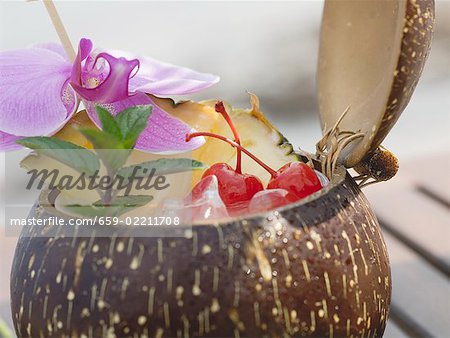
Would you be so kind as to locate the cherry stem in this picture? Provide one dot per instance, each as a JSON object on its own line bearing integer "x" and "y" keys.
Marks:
{"x": 234, "y": 144}
{"x": 220, "y": 108}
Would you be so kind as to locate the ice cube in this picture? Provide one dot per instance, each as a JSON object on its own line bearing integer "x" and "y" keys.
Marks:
{"x": 204, "y": 201}
{"x": 171, "y": 208}
{"x": 322, "y": 178}
{"x": 269, "y": 199}
{"x": 207, "y": 187}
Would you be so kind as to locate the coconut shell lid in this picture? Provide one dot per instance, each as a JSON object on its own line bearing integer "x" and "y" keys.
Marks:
{"x": 371, "y": 56}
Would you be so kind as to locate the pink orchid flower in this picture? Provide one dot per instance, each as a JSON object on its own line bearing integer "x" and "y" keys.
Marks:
{"x": 40, "y": 91}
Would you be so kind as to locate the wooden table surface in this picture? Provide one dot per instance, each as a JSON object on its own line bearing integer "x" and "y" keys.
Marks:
{"x": 414, "y": 212}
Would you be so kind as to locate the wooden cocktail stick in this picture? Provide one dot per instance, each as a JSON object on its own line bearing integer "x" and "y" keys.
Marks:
{"x": 59, "y": 27}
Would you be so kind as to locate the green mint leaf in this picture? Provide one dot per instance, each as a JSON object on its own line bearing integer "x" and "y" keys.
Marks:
{"x": 132, "y": 121}
{"x": 132, "y": 201}
{"x": 162, "y": 167}
{"x": 124, "y": 204}
{"x": 89, "y": 210}
{"x": 101, "y": 139}
{"x": 105, "y": 145}
{"x": 109, "y": 124}
{"x": 118, "y": 206}
{"x": 65, "y": 152}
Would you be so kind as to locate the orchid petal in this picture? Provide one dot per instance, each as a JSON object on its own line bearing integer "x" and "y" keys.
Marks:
{"x": 95, "y": 71}
{"x": 84, "y": 49}
{"x": 164, "y": 134}
{"x": 115, "y": 86}
{"x": 160, "y": 78}
{"x": 54, "y": 47}
{"x": 8, "y": 142}
{"x": 34, "y": 95}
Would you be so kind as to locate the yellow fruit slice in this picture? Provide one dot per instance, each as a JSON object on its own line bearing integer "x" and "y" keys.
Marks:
{"x": 257, "y": 135}
{"x": 71, "y": 133}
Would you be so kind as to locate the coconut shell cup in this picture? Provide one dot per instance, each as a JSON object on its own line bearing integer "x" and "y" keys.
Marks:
{"x": 371, "y": 56}
{"x": 318, "y": 267}
{"x": 315, "y": 268}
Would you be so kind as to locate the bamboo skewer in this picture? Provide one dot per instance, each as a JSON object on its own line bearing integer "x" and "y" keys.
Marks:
{"x": 60, "y": 30}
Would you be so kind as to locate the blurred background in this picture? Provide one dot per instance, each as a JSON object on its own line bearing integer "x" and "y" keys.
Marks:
{"x": 270, "y": 48}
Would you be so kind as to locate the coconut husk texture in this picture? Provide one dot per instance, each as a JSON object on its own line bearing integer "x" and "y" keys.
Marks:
{"x": 317, "y": 268}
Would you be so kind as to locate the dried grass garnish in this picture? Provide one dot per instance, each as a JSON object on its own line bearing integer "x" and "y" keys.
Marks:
{"x": 330, "y": 147}
{"x": 380, "y": 165}
{"x": 308, "y": 156}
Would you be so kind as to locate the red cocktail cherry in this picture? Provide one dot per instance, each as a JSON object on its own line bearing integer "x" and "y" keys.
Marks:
{"x": 237, "y": 189}
{"x": 296, "y": 177}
